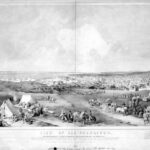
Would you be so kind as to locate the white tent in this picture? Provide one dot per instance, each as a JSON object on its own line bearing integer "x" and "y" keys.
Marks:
{"x": 8, "y": 109}
{"x": 27, "y": 99}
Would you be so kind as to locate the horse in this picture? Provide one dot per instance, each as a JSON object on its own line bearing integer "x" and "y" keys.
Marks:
{"x": 76, "y": 116}
{"x": 80, "y": 116}
{"x": 84, "y": 117}
{"x": 121, "y": 110}
{"x": 63, "y": 116}
{"x": 70, "y": 116}
{"x": 92, "y": 118}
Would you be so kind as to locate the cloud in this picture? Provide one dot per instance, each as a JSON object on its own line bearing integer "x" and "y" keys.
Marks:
{"x": 89, "y": 38}
{"x": 44, "y": 38}
{"x": 66, "y": 38}
{"x": 91, "y": 48}
{"x": 34, "y": 38}
{"x": 124, "y": 29}
{"x": 89, "y": 45}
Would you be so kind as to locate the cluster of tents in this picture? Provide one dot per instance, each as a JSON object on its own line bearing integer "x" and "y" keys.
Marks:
{"x": 8, "y": 110}
{"x": 25, "y": 110}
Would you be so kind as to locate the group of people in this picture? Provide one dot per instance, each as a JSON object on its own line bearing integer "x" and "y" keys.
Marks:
{"x": 94, "y": 102}
{"x": 146, "y": 116}
{"x": 51, "y": 99}
{"x": 3, "y": 123}
{"x": 78, "y": 116}
{"x": 27, "y": 111}
{"x": 34, "y": 108}
{"x": 133, "y": 107}
{"x": 25, "y": 116}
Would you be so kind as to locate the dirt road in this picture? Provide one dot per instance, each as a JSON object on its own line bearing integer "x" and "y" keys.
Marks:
{"x": 126, "y": 119}
{"x": 75, "y": 102}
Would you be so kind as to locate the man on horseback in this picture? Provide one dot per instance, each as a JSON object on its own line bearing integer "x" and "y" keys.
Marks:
{"x": 84, "y": 116}
{"x": 63, "y": 116}
{"x": 70, "y": 116}
{"x": 91, "y": 117}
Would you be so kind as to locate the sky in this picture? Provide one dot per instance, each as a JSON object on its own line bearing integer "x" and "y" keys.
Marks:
{"x": 97, "y": 38}
{"x": 113, "y": 37}
{"x": 33, "y": 38}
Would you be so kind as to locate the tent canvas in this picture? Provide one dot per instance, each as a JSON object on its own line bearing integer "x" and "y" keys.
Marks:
{"x": 8, "y": 109}
{"x": 27, "y": 99}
